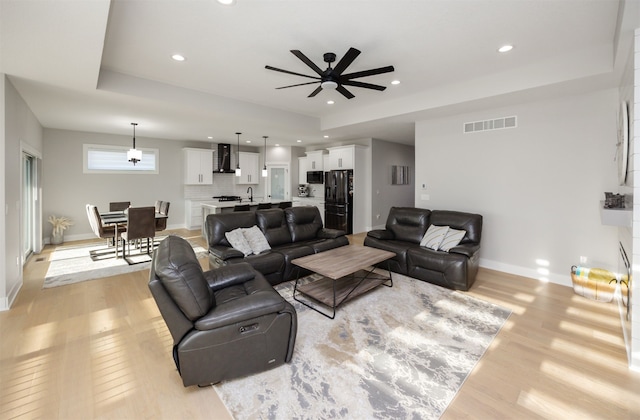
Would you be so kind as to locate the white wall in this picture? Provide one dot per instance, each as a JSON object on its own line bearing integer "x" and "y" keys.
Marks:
{"x": 538, "y": 186}
{"x": 20, "y": 127}
{"x": 385, "y": 195}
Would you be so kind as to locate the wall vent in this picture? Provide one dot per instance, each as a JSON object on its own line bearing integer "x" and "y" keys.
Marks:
{"x": 495, "y": 124}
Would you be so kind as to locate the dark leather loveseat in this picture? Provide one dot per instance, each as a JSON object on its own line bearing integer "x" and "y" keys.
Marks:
{"x": 406, "y": 227}
{"x": 225, "y": 323}
{"x": 292, "y": 233}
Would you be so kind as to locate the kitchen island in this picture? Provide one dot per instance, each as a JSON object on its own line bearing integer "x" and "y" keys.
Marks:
{"x": 217, "y": 207}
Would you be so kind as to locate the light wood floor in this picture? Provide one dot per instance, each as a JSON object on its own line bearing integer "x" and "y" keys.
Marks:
{"x": 100, "y": 349}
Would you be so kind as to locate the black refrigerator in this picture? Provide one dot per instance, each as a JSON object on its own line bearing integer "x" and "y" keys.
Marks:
{"x": 338, "y": 198}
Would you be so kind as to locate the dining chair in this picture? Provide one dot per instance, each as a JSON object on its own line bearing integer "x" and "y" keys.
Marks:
{"x": 119, "y": 205}
{"x": 141, "y": 224}
{"x": 285, "y": 204}
{"x": 262, "y": 206}
{"x": 158, "y": 205}
{"x": 161, "y": 223}
{"x": 241, "y": 207}
{"x": 99, "y": 229}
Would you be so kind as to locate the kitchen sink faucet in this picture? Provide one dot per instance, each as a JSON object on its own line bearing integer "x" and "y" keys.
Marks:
{"x": 251, "y": 195}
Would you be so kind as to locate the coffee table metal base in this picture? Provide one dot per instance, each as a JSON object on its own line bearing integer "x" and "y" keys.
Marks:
{"x": 333, "y": 293}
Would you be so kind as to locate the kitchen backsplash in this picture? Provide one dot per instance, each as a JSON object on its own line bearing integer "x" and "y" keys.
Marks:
{"x": 223, "y": 184}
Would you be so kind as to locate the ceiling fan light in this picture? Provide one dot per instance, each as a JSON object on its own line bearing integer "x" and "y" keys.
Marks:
{"x": 329, "y": 84}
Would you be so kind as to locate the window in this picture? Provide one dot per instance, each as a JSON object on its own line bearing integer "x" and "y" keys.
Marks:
{"x": 102, "y": 159}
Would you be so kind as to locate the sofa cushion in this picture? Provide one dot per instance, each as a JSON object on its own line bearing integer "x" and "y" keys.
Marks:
{"x": 218, "y": 224}
{"x": 274, "y": 226}
{"x": 408, "y": 223}
{"x": 238, "y": 241}
{"x": 256, "y": 239}
{"x": 469, "y": 222}
{"x": 452, "y": 239}
{"x": 434, "y": 236}
{"x": 178, "y": 269}
{"x": 304, "y": 222}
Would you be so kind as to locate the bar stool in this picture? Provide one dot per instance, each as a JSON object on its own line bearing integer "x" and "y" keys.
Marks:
{"x": 262, "y": 206}
{"x": 241, "y": 207}
{"x": 285, "y": 204}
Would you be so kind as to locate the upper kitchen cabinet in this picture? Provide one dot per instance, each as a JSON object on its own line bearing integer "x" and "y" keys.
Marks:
{"x": 314, "y": 161}
{"x": 249, "y": 168}
{"x": 198, "y": 166}
{"x": 342, "y": 157}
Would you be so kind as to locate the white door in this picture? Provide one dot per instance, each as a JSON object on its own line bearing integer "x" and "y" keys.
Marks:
{"x": 278, "y": 182}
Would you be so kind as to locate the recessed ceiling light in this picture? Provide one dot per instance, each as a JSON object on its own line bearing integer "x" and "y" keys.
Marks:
{"x": 178, "y": 57}
{"x": 505, "y": 48}
{"x": 298, "y": 141}
{"x": 209, "y": 137}
{"x": 227, "y": 2}
{"x": 395, "y": 82}
{"x": 277, "y": 145}
{"x": 326, "y": 137}
{"x": 330, "y": 102}
{"x": 248, "y": 141}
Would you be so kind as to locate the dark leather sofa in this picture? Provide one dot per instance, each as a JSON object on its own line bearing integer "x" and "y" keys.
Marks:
{"x": 292, "y": 233}
{"x": 405, "y": 228}
{"x": 225, "y": 323}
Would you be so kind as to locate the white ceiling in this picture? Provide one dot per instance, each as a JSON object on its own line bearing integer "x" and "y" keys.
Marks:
{"x": 99, "y": 65}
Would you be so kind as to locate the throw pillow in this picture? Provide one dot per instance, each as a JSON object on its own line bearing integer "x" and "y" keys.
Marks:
{"x": 434, "y": 236}
{"x": 256, "y": 239}
{"x": 452, "y": 239}
{"x": 237, "y": 240}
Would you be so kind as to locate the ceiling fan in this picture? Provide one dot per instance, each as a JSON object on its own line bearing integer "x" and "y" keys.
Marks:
{"x": 332, "y": 78}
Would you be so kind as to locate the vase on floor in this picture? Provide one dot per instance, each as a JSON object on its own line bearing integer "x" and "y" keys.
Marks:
{"x": 57, "y": 238}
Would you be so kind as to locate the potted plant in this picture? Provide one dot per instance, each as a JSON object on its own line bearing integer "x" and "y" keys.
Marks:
{"x": 59, "y": 225}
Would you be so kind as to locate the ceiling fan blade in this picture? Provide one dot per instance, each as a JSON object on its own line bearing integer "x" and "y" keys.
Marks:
{"x": 363, "y": 85}
{"x": 299, "y": 84}
{"x": 367, "y": 73}
{"x": 346, "y": 60}
{"x": 315, "y": 92}
{"x": 308, "y": 62}
{"x": 345, "y": 92}
{"x": 290, "y": 72}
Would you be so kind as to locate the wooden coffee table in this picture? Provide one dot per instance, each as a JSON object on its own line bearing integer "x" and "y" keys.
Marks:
{"x": 344, "y": 272}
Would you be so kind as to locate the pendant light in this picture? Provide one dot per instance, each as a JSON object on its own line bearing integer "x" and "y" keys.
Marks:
{"x": 264, "y": 170}
{"x": 238, "y": 171}
{"x": 134, "y": 155}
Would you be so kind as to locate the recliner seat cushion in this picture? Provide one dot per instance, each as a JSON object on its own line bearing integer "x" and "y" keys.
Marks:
{"x": 179, "y": 271}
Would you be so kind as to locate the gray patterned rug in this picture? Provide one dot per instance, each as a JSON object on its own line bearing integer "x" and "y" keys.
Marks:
{"x": 400, "y": 352}
{"x": 73, "y": 263}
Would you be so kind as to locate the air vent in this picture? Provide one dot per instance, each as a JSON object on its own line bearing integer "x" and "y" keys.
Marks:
{"x": 495, "y": 124}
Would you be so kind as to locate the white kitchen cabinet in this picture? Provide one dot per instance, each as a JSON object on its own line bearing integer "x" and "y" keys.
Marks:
{"x": 193, "y": 214}
{"x": 249, "y": 168}
{"x": 198, "y": 166}
{"x": 341, "y": 157}
{"x": 314, "y": 161}
{"x": 302, "y": 170}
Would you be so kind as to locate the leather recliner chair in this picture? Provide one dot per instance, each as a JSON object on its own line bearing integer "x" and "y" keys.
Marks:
{"x": 225, "y": 323}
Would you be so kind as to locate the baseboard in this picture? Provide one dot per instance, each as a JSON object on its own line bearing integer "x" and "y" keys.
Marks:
{"x": 561, "y": 279}
{"x": 6, "y": 302}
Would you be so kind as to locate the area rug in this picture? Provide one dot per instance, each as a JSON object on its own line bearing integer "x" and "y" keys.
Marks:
{"x": 70, "y": 264}
{"x": 400, "y": 352}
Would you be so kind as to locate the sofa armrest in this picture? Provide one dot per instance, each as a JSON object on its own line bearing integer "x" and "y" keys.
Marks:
{"x": 229, "y": 275}
{"x": 468, "y": 250}
{"x": 381, "y": 234}
{"x": 225, "y": 252}
{"x": 242, "y": 309}
{"x": 326, "y": 233}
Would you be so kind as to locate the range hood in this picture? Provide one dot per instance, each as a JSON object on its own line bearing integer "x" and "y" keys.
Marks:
{"x": 224, "y": 159}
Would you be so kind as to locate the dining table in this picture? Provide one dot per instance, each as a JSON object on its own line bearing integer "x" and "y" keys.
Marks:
{"x": 117, "y": 218}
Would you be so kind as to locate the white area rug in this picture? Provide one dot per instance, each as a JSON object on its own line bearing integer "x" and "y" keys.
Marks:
{"x": 393, "y": 353}
{"x": 74, "y": 263}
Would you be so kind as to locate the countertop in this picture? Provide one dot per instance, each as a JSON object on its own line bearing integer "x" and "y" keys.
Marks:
{"x": 214, "y": 204}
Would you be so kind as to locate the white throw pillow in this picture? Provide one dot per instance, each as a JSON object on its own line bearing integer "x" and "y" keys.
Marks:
{"x": 452, "y": 239}
{"x": 434, "y": 236}
{"x": 237, "y": 240}
{"x": 256, "y": 239}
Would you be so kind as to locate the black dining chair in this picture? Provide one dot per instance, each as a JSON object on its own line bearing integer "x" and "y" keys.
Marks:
{"x": 285, "y": 204}
{"x": 241, "y": 207}
{"x": 262, "y": 206}
{"x": 119, "y": 205}
{"x": 161, "y": 223}
{"x": 141, "y": 224}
